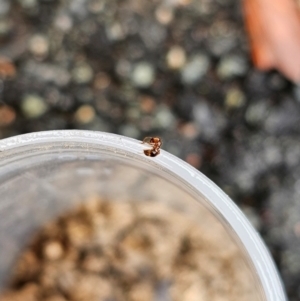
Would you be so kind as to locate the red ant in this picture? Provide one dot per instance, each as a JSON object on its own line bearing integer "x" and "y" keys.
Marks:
{"x": 156, "y": 143}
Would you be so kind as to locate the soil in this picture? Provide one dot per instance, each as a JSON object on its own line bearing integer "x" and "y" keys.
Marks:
{"x": 129, "y": 251}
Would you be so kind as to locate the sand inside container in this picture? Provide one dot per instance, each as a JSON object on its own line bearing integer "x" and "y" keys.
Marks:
{"x": 133, "y": 251}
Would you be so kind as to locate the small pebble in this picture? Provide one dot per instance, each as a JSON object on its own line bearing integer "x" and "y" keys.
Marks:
{"x": 85, "y": 114}
{"x": 7, "y": 68}
{"x": 164, "y": 118}
{"x": 33, "y": 106}
{"x": 256, "y": 112}
{"x": 143, "y": 75}
{"x": 195, "y": 69}
{"x": 82, "y": 73}
{"x": 164, "y": 15}
{"x": 115, "y": 32}
{"x": 147, "y": 104}
{"x": 176, "y": 57}
{"x": 63, "y": 22}
{"x": 235, "y": 98}
{"x": 53, "y": 250}
{"x": 189, "y": 130}
{"x": 102, "y": 81}
{"x": 123, "y": 68}
{"x": 231, "y": 66}
{"x": 7, "y": 115}
{"x": 39, "y": 45}
{"x": 78, "y": 8}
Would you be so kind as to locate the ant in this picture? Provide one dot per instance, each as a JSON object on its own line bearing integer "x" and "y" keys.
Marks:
{"x": 156, "y": 143}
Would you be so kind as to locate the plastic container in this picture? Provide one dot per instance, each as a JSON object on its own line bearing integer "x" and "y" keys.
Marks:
{"x": 45, "y": 173}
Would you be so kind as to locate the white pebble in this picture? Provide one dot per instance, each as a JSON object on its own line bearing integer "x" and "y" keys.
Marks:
{"x": 39, "y": 45}
{"x": 195, "y": 69}
{"x": 143, "y": 75}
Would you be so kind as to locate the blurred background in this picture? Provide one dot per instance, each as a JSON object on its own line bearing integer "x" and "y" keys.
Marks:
{"x": 177, "y": 69}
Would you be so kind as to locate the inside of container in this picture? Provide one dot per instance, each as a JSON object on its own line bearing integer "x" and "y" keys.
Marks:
{"x": 38, "y": 185}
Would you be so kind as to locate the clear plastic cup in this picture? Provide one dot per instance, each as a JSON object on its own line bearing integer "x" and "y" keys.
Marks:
{"x": 42, "y": 174}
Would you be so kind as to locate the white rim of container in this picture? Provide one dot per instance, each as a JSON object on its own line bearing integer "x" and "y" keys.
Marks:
{"x": 252, "y": 242}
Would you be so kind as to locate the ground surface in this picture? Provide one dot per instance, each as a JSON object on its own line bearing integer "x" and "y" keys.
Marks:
{"x": 179, "y": 69}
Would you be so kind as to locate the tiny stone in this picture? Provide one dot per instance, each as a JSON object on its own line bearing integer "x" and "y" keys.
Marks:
{"x": 33, "y": 106}
{"x": 123, "y": 68}
{"x": 7, "y": 115}
{"x": 115, "y": 32}
{"x": 143, "y": 75}
{"x": 256, "y": 112}
{"x": 7, "y": 68}
{"x": 176, "y": 57}
{"x": 85, "y": 114}
{"x": 164, "y": 118}
{"x": 147, "y": 104}
{"x": 78, "y": 8}
{"x": 153, "y": 34}
{"x": 189, "y": 130}
{"x": 102, "y": 81}
{"x": 82, "y": 74}
{"x": 195, "y": 69}
{"x": 231, "y": 66}
{"x": 39, "y": 45}
{"x": 164, "y": 15}
{"x": 53, "y": 250}
{"x": 64, "y": 23}
{"x": 235, "y": 98}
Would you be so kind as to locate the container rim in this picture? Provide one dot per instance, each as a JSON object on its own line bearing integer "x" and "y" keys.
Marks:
{"x": 257, "y": 251}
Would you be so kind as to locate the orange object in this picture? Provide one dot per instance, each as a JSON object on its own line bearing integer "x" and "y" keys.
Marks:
{"x": 7, "y": 68}
{"x": 274, "y": 30}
